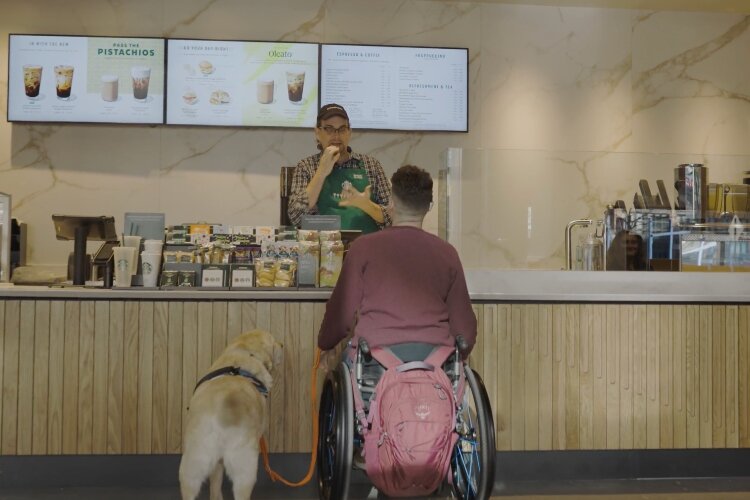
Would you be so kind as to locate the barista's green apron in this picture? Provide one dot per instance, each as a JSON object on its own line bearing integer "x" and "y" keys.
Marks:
{"x": 330, "y": 195}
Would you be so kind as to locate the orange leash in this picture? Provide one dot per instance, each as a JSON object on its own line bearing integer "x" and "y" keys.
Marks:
{"x": 264, "y": 445}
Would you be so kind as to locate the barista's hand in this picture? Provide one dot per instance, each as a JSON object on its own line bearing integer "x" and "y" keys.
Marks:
{"x": 328, "y": 159}
{"x": 350, "y": 197}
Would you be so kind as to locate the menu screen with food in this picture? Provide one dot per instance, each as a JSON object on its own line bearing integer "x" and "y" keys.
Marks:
{"x": 85, "y": 79}
{"x": 266, "y": 84}
{"x": 397, "y": 88}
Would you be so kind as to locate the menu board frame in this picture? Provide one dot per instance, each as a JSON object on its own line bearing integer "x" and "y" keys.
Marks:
{"x": 169, "y": 76}
{"x": 465, "y": 49}
{"x": 77, "y": 121}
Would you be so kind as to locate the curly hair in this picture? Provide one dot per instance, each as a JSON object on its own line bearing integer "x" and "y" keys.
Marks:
{"x": 413, "y": 187}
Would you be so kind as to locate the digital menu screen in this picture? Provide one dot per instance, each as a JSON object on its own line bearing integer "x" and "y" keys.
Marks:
{"x": 85, "y": 79}
{"x": 264, "y": 84}
{"x": 397, "y": 88}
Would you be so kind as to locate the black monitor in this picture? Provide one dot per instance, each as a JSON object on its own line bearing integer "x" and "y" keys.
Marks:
{"x": 81, "y": 228}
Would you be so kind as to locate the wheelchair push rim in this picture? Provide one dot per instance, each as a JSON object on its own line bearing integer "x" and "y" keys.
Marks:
{"x": 335, "y": 442}
{"x": 473, "y": 459}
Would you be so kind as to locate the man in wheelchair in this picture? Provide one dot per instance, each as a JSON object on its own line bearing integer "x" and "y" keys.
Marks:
{"x": 402, "y": 299}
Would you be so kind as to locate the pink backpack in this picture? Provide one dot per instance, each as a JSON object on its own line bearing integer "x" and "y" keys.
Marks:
{"x": 409, "y": 439}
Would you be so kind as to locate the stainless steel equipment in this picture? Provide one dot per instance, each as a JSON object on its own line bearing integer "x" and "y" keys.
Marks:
{"x": 691, "y": 182}
{"x": 592, "y": 254}
{"x": 569, "y": 239}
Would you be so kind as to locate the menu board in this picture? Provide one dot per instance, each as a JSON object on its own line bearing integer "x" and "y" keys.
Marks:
{"x": 267, "y": 84}
{"x": 397, "y": 88}
{"x": 85, "y": 79}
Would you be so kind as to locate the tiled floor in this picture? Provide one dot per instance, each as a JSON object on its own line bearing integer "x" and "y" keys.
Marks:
{"x": 690, "y": 489}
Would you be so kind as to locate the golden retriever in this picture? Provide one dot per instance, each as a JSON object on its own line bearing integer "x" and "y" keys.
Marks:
{"x": 226, "y": 418}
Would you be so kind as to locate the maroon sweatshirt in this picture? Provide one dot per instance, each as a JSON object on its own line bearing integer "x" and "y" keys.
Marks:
{"x": 401, "y": 284}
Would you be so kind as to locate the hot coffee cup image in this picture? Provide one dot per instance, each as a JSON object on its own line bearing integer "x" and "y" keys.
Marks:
{"x": 265, "y": 91}
{"x": 295, "y": 84}
{"x": 110, "y": 87}
{"x": 141, "y": 76}
{"x": 64, "y": 81}
{"x": 32, "y": 78}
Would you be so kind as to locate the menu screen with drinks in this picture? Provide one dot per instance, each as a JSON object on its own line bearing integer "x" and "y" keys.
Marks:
{"x": 397, "y": 88}
{"x": 85, "y": 79}
{"x": 266, "y": 84}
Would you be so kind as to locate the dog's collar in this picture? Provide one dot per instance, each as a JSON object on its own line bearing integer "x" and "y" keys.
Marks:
{"x": 234, "y": 370}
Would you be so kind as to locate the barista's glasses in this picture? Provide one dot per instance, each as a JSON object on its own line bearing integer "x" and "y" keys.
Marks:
{"x": 335, "y": 131}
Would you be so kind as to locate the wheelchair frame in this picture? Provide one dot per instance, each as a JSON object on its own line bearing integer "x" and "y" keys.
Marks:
{"x": 472, "y": 464}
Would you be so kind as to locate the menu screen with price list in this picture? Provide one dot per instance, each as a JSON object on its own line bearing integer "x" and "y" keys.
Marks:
{"x": 397, "y": 88}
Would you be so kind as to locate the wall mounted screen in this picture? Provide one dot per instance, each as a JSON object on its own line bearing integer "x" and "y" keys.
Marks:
{"x": 397, "y": 88}
{"x": 85, "y": 79}
{"x": 266, "y": 84}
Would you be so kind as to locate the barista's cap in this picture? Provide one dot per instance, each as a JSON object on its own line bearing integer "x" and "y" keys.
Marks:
{"x": 331, "y": 110}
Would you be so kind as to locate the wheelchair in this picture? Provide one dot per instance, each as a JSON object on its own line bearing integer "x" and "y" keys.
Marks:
{"x": 472, "y": 464}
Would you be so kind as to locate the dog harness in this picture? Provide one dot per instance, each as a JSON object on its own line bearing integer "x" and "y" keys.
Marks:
{"x": 234, "y": 370}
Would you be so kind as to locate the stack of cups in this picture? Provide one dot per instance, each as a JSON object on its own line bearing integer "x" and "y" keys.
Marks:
{"x": 151, "y": 262}
{"x": 125, "y": 265}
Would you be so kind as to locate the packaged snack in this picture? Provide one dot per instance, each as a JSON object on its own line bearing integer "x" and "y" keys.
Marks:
{"x": 185, "y": 257}
{"x": 285, "y": 273}
{"x": 308, "y": 263}
{"x": 331, "y": 260}
{"x": 265, "y": 271}
{"x": 264, "y": 233}
{"x": 308, "y": 235}
{"x": 330, "y": 236}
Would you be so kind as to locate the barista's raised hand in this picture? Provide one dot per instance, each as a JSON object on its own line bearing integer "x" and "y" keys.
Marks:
{"x": 328, "y": 159}
{"x": 351, "y": 197}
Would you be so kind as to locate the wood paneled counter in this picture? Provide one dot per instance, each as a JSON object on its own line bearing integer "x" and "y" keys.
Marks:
{"x": 572, "y": 360}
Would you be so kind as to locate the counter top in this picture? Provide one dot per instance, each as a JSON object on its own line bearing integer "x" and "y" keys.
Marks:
{"x": 484, "y": 286}
{"x": 609, "y": 286}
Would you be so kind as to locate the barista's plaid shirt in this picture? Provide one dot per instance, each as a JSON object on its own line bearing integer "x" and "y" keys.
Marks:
{"x": 303, "y": 174}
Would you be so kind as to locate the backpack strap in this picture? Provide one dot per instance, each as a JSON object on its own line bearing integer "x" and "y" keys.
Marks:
{"x": 386, "y": 357}
{"x": 439, "y": 355}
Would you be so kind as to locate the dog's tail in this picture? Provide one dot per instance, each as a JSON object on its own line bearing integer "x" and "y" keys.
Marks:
{"x": 264, "y": 446}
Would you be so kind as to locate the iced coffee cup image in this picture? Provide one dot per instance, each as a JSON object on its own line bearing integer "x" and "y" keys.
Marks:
{"x": 32, "y": 78}
{"x": 265, "y": 91}
{"x": 64, "y": 81}
{"x": 295, "y": 84}
{"x": 110, "y": 87}
{"x": 141, "y": 76}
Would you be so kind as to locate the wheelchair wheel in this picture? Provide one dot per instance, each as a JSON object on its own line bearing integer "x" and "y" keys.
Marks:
{"x": 473, "y": 459}
{"x": 335, "y": 435}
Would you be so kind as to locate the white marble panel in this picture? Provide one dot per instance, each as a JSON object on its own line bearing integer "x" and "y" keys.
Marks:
{"x": 83, "y": 17}
{"x": 691, "y": 85}
{"x": 79, "y": 170}
{"x": 292, "y": 20}
{"x": 555, "y": 78}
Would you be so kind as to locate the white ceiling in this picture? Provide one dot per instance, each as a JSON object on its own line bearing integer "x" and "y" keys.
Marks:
{"x": 685, "y": 5}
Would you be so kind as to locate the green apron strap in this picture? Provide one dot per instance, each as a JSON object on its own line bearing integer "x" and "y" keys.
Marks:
{"x": 330, "y": 195}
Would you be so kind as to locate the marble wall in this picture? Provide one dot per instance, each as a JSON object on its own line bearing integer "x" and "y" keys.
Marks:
{"x": 568, "y": 108}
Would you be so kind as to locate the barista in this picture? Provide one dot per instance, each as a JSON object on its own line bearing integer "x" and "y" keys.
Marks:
{"x": 626, "y": 253}
{"x": 337, "y": 181}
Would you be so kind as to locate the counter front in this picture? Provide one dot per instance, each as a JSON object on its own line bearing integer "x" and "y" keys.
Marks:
{"x": 571, "y": 360}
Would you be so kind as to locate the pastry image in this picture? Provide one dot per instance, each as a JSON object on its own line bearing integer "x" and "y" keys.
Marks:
{"x": 190, "y": 97}
{"x": 206, "y": 67}
{"x": 219, "y": 97}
